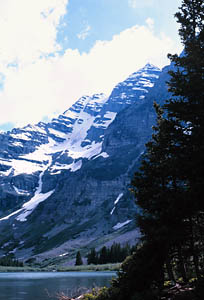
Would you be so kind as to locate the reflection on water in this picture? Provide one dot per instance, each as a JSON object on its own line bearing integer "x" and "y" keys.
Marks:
{"x": 45, "y": 285}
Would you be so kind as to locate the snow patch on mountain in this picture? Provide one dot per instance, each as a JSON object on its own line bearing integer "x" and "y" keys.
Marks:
{"x": 29, "y": 206}
{"x": 116, "y": 201}
{"x": 112, "y": 211}
{"x": 22, "y": 136}
{"x": 104, "y": 121}
{"x": 57, "y": 133}
{"x": 17, "y": 144}
{"x": 120, "y": 225}
{"x": 82, "y": 117}
{"x": 35, "y": 128}
{"x": 19, "y": 166}
{"x": 118, "y": 198}
{"x": 85, "y": 152}
{"x": 10, "y": 215}
{"x": 102, "y": 154}
{"x": 73, "y": 167}
{"x": 20, "y": 191}
{"x": 42, "y": 152}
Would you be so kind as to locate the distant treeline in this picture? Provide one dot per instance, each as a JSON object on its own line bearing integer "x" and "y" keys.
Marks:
{"x": 116, "y": 253}
{"x": 8, "y": 261}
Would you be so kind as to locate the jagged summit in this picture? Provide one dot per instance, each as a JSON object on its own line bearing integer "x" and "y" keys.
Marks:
{"x": 149, "y": 66}
{"x": 95, "y": 102}
{"x": 147, "y": 73}
{"x": 137, "y": 85}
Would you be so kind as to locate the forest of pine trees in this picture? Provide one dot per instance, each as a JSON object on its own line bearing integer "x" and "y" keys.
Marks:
{"x": 116, "y": 253}
{"x": 9, "y": 261}
{"x": 169, "y": 186}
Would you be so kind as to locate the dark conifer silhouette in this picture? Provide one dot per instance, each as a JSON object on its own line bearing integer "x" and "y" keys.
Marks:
{"x": 79, "y": 261}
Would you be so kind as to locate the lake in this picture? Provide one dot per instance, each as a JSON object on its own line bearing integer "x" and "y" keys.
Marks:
{"x": 45, "y": 285}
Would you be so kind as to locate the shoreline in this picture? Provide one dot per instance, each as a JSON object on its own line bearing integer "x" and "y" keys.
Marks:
{"x": 82, "y": 268}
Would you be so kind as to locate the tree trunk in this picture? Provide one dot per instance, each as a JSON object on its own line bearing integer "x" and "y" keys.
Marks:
{"x": 193, "y": 251}
{"x": 181, "y": 265}
{"x": 169, "y": 269}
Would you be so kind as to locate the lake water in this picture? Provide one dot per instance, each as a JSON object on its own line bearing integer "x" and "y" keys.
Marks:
{"x": 46, "y": 285}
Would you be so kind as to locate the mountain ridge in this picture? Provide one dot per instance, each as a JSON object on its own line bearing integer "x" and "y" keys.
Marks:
{"x": 76, "y": 185}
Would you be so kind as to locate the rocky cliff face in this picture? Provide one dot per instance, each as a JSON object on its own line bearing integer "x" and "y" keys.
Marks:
{"x": 64, "y": 185}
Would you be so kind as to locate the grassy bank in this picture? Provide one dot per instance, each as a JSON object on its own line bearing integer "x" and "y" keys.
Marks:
{"x": 82, "y": 268}
{"x": 20, "y": 269}
{"x": 106, "y": 267}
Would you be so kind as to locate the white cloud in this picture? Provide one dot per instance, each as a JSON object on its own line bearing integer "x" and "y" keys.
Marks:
{"x": 28, "y": 29}
{"x": 84, "y": 33}
{"x": 47, "y": 85}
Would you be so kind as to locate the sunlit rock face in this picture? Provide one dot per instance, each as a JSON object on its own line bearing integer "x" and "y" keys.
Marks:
{"x": 65, "y": 184}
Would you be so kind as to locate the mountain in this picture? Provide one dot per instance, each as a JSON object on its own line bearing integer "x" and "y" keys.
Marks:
{"x": 64, "y": 185}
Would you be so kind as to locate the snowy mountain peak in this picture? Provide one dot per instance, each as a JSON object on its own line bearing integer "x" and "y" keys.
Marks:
{"x": 150, "y": 66}
{"x": 148, "y": 71}
{"x": 136, "y": 86}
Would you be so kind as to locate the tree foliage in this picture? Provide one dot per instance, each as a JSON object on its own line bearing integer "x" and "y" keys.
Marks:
{"x": 114, "y": 254}
{"x": 169, "y": 185}
{"x": 9, "y": 261}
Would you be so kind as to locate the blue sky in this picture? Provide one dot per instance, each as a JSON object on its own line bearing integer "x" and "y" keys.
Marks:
{"x": 101, "y": 19}
{"x": 54, "y": 51}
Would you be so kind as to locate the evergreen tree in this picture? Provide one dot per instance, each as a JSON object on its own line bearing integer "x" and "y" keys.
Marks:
{"x": 103, "y": 256}
{"x": 158, "y": 194}
{"x": 168, "y": 187}
{"x": 140, "y": 273}
{"x": 78, "y": 261}
{"x": 92, "y": 257}
{"x": 187, "y": 108}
